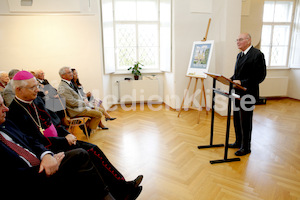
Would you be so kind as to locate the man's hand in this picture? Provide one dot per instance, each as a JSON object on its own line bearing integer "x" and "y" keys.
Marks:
{"x": 59, "y": 157}
{"x": 237, "y": 82}
{"x": 50, "y": 164}
{"x": 86, "y": 101}
{"x": 71, "y": 139}
{"x": 89, "y": 94}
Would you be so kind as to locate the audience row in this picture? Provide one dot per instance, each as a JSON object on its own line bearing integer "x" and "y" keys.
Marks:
{"x": 70, "y": 97}
{"x": 53, "y": 157}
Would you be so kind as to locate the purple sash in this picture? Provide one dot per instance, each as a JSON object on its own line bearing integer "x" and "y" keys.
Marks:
{"x": 50, "y": 131}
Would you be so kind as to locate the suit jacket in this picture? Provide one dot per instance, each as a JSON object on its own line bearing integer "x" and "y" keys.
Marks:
{"x": 48, "y": 87}
{"x": 8, "y": 94}
{"x": 11, "y": 163}
{"x": 49, "y": 95}
{"x": 251, "y": 71}
{"x": 74, "y": 103}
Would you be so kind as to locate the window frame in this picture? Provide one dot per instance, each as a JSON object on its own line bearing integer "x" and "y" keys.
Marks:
{"x": 112, "y": 68}
{"x": 137, "y": 23}
{"x": 273, "y": 24}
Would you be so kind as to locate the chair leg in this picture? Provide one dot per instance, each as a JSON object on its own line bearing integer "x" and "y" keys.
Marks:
{"x": 70, "y": 128}
{"x": 87, "y": 134}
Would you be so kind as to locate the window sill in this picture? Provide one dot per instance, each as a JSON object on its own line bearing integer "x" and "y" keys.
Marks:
{"x": 150, "y": 71}
{"x": 274, "y": 68}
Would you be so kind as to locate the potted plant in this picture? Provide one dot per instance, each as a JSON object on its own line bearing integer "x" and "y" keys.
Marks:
{"x": 135, "y": 70}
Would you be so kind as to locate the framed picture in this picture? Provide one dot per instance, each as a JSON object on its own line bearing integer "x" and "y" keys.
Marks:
{"x": 200, "y": 58}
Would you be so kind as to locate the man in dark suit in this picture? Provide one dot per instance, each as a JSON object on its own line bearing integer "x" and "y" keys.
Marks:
{"x": 29, "y": 170}
{"x": 49, "y": 94}
{"x": 250, "y": 71}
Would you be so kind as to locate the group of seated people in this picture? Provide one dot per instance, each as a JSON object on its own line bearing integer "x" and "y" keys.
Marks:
{"x": 39, "y": 154}
{"x": 70, "y": 98}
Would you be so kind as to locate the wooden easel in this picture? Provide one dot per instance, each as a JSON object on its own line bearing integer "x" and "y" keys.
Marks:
{"x": 202, "y": 93}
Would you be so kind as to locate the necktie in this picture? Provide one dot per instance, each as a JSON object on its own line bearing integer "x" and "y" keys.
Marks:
{"x": 34, "y": 161}
{"x": 73, "y": 86}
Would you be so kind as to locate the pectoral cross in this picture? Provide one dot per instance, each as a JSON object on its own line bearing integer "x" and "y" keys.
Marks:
{"x": 42, "y": 130}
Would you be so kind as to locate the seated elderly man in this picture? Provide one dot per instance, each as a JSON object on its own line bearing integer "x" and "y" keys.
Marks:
{"x": 49, "y": 95}
{"x": 3, "y": 80}
{"x": 27, "y": 165}
{"x": 9, "y": 93}
{"x": 29, "y": 113}
{"x": 76, "y": 106}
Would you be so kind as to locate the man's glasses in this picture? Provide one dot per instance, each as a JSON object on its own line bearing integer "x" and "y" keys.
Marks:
{"x": 241, "y": 39}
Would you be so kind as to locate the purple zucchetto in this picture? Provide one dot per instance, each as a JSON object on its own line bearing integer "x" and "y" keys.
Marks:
{"x": 23, "y": 75}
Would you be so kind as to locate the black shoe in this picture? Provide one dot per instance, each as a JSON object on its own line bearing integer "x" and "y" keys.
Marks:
{"x": 234, "y": 145}
{"x": 134, "y": 194}
{"x": 242, "y": 152}
{"x": 88, "y": 133}
{"x": 136, "y": 182}
{"x": 109, "y": 197}
{"x": 110, "y": 119}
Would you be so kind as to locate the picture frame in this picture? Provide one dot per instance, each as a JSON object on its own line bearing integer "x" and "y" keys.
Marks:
{"x": 200, "y": 58}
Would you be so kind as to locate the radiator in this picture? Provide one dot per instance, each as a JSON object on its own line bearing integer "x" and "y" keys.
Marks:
{"x": 138, "y": 91}
{"x": 274, "y": 87}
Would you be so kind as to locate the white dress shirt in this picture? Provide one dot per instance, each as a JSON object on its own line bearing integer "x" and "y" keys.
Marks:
{"x": 246, "y": 51}
{"x": 28, "y": 163}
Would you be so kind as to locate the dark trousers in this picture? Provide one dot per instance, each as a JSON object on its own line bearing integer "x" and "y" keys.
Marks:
{"x": 76, "y": 178}
{"x": 111, "y": 176}
{"x": 77, "y": 169}
{"x": 243, "y": 124}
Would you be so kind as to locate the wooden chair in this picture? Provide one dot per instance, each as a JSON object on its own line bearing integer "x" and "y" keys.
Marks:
{"x": 73, "y": 122}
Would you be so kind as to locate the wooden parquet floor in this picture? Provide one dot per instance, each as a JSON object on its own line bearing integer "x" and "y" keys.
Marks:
{"x": 163, "y": 148}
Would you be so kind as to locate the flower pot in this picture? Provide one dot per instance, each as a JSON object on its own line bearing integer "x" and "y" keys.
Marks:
{"x": 136, "y": 77}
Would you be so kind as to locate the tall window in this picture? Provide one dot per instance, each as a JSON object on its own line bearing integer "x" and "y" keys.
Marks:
{"x": 136, "y": 30}
{"x": 276, "y": 32}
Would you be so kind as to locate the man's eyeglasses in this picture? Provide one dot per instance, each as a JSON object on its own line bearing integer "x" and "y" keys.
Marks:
{"x": 32, "y": 88}
{"x": 241, "y": 39}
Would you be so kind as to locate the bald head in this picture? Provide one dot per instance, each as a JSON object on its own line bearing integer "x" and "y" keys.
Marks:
{"x": 244, "y": 41}
{"x": 39, "y": 74}
{"x": 4, "y": 77}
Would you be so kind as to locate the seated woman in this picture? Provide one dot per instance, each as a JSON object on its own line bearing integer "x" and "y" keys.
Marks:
{"x": 88, "y": 95}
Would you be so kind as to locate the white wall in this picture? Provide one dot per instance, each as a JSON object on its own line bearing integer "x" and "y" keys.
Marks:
{"x": 294, "y": 84}
{"x": 294, "y": 73}
{"x": 189, "y": 27}
{"x": 252, "y": 14}
{"x": 50, "y": 41}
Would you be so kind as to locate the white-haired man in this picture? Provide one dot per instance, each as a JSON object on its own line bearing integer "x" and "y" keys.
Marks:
{"x": 250, "y": 71}
{"x": 76, "y": 106}
{"x": 3, "y": 80}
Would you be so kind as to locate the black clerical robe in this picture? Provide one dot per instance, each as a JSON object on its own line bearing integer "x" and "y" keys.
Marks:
{"x": 24, "y": 121}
